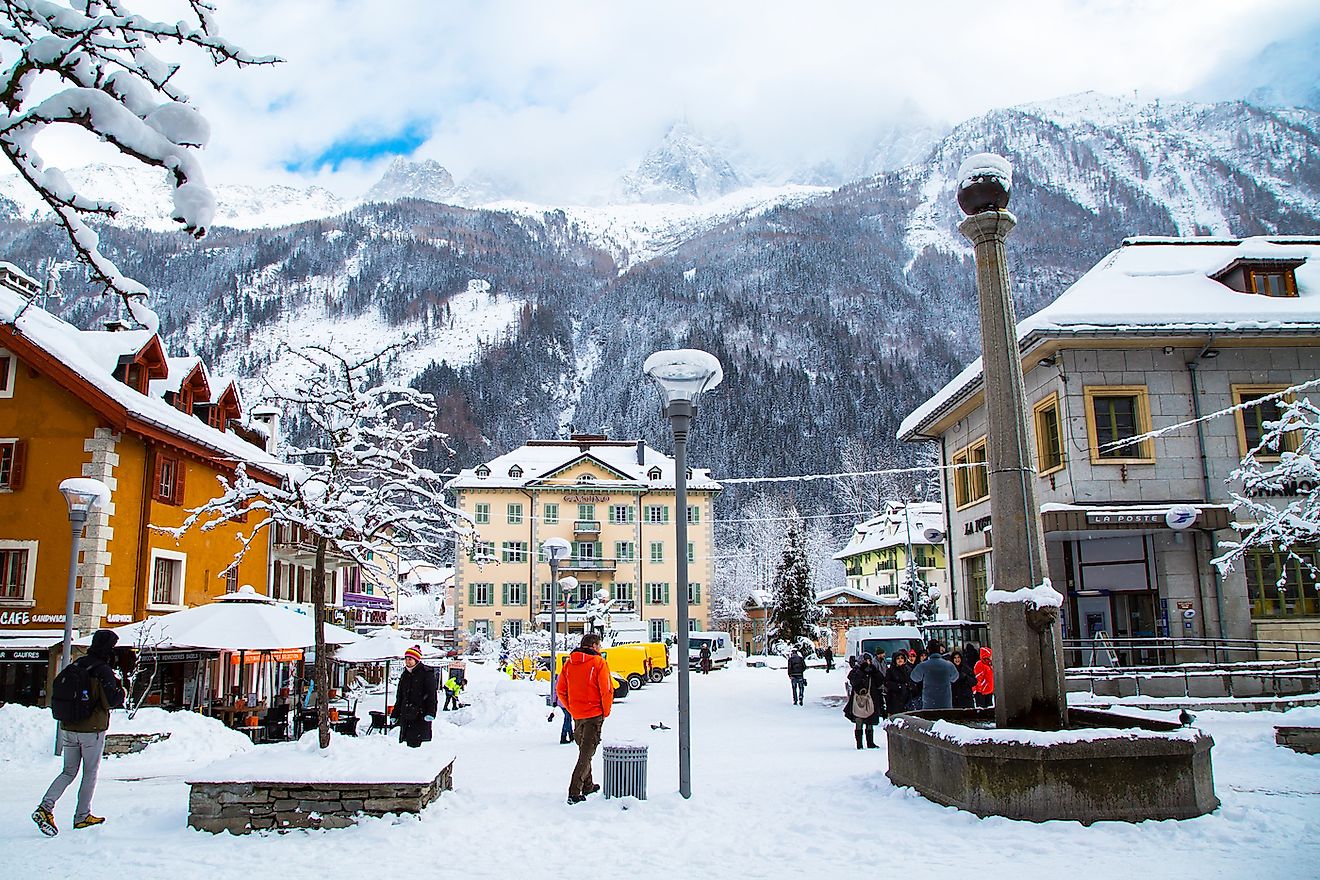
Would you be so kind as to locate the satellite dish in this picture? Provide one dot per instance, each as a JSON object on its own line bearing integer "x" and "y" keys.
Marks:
{"x": 933, "y": 535}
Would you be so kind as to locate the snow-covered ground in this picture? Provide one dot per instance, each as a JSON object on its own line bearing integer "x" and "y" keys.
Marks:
{"x": 779, "y": 791}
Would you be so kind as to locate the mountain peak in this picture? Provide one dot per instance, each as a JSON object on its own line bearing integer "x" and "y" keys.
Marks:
{"x": 407, "y": 179}
{"x": 683, "y": 167}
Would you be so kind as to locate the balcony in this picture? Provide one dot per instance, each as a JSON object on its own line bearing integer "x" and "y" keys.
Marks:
{"x": 587, "y": 563}
{"x": 586, "y": 527}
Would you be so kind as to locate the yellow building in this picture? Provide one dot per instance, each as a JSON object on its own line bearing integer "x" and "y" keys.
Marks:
{"x": 875, "y": 558}
{"x": 613, "y": 500}
{"x": 156, "y": 431}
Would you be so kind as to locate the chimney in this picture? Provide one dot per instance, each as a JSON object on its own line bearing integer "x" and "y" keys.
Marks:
{"x": 268, "y": 418}
{"x": 19, "y": 281}
{"x": 641, "y": 452}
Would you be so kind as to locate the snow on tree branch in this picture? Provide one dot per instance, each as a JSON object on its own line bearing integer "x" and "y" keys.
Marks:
{"x": 89, "y": 64}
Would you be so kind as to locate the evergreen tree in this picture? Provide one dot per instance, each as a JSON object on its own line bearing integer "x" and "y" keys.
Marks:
{"x": 795, "y": 613}
{"x": 918, "y": 601}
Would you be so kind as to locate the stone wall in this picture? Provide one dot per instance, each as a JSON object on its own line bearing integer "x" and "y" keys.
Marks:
{"x": 131, "y": 743}
{"x": 241, "y": 807}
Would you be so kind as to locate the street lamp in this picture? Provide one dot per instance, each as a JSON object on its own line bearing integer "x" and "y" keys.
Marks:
{"x": 556, "y": 550}
{"x": 682, "y": 375}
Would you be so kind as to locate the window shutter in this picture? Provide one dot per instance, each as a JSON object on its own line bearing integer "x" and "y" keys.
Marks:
{"x": 179, "y": 468}
{"x": 666, "y": 594}
{"x": 696, "y": 594}
{"x": 504, "y": 594}
{"x": 155, "y": 480}
{"x": 18, "y": 467}
{"x": 472, "y": 594}
{"x": 666, "y": 512}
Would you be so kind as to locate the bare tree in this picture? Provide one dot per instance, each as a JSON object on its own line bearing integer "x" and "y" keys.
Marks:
{"x": 89, "y": 64}
{"x": 354, "y": 487}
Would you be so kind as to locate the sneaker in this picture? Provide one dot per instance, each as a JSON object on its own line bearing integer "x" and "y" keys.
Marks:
{"x": 576, "y": 799}
{"x": 45, "y": 821}
{"x": 591, "y": 789}
{"x": 88, "y": 821}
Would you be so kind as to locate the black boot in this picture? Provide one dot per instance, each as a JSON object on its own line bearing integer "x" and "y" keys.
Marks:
{"x": 857, "y": 732}
{"x": 870, "y": 737}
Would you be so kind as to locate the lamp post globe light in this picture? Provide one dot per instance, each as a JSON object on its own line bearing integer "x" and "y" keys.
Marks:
{"x": 555, "y": 550}
{"x": 682, "y": 375}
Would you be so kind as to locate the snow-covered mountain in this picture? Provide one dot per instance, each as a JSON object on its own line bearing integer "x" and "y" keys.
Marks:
{"x": 406, "y": 179}
{"x": 683, "y": 168}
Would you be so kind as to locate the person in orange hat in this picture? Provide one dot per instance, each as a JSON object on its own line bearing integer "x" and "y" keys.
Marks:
{"x": 415, "y": 699}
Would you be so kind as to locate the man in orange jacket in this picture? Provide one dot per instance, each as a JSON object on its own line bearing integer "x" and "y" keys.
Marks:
{"x": 587, "y": 689}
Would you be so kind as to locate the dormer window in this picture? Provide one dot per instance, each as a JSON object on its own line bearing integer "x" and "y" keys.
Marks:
{"x": 483, "y": 471}
{"x": 587, "y": 478}
{"x": 1272, "y": 282}
{"x": 653, "y": 473}
{"x": 1273, "y": 278}
{"x": 515, "y": 472}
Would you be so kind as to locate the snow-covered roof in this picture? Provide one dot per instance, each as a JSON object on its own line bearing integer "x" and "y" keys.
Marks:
{"x": 538, "y": 461}
{"x": 179, "y": 369}
{"x": 890, "y": 529}
{"x": 1162, "y": 287}
{"x": 93, "y": 356}
{"x": 870, "y": 598}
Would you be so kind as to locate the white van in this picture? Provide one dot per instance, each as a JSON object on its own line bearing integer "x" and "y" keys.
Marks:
{"x": 869, "y": 639}
{"x": 720, "y": 644}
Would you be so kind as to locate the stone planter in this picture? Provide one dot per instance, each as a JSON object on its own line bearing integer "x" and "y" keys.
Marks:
{"x": 244, "y": 806}
{"x": 1105, "y": 767}
{"x": 1305, "y": 740}
{"x": 131, "y": 743}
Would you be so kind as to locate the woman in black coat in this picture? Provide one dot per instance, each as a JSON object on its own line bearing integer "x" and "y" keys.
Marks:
{"x": 962, "y": 685}
{"x": 865, "y": 678}
{"x": 415, "y": 700}
{"x": 898, "y": 683}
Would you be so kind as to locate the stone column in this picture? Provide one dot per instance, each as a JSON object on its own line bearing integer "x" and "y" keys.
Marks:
{"x": 93, "y": 582}
{"x": 1027, "y": 641}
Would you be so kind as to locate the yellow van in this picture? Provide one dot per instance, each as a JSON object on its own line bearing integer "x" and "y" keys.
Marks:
{"x": 621, "y": 686}
{"x": 633, "y": 662}
{"x": 659, "y": 654}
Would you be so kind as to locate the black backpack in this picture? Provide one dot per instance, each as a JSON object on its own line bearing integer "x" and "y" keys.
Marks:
{"x": 71, "y": 698}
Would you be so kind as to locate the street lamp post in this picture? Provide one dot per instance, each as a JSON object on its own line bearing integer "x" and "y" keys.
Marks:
{"x": 682, "y": 375}
{"x": 83, "y": 495}
{"x": 555, "y": 549}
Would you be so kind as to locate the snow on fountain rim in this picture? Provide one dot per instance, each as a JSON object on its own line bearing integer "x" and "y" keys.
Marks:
{"x": 1041, "y": 596}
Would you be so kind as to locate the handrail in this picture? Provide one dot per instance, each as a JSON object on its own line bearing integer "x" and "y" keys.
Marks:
{"x": 1169, "y": 651}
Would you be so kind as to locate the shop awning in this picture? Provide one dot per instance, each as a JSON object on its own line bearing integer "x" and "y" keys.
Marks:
{"x": 27, "y": 649}
{"x": 1131, "y": 517}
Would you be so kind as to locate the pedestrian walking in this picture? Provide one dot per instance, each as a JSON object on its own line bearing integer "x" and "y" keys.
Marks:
{"x": 566, "y": 731}
{"x": 414, "y": 701}
{"x": 797, "y": 675}
{"x": 829, "y": 658}
{"x": 587, "y": 689}
{"x": 984, "y": 690}
{"x": 863, "y": 706}
{"x": 898, "y": 684}
{"x": 705, "y": 659}
{"x": 84, "y": 693}
{"x": 963, "y": 684}
{"x": 936, "y": 676}
{"x": 880, "y": 662}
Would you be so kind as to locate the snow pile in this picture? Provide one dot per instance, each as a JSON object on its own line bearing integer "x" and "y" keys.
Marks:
{"x": 964, "y": 735}
{"x": 349, "y": 759}
{"x": 194, "y": 738}
{"x": 1042, "y": 596}
{"x": 27, "y": 734}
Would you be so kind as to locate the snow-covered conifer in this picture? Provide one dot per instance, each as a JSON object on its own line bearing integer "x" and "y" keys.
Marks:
{"x": 795, "y": 613}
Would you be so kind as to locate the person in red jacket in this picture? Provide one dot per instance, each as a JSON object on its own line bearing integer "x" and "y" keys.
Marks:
{"x": 587, "y": 689}
{"x": 984, "y": 689}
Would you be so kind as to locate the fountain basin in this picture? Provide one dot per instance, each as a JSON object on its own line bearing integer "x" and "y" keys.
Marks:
{"x": 1103, "y": 767}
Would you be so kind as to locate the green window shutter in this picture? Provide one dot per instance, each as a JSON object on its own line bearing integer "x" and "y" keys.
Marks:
{"x": 472, "y": 594}
{"x": 665, "y": 515}
{"x": 504, "y": 594}
{"x": 666, "y": 593}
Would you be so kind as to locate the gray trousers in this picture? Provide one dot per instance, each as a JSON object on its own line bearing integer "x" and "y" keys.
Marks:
{"x": 79, "y": 749}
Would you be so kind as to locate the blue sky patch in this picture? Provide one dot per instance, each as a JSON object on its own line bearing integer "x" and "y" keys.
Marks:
{"x": 364, "y": 148}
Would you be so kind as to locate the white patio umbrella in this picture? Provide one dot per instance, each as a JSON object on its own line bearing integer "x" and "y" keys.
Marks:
{"x": 384, "y": 646}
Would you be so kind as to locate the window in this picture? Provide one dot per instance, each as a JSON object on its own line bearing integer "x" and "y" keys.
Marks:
{"x": 694, "y": 515}
{"x": 1272, "y": 282}
{"x": 513, "y": 551}
{"x": 231, "y": 581}
{"x": 515, "y": 472}
{"x": 1049, "y": 436}
{"x": 167, "y": 571}
{"x": 1296, "y": 597}
{"x": 977, "y": 569}
{"x": 513, "y": 594}
{"x": 657, "y": 593}
{"x": 656, "y": 628}
{"x": 481, "y": 594}
{"x": 621, "y": 513}
{"x": 653, "y": 473}
{"x": 513, "y": 628}
{"x": 481, "y": 513}
{"x": 971, "y": 480}
{"x": 924, "y": 556}
{"x": 692, "y": 553}
{"x": 483, "y": 551}
{"x": 168, "y": 485}
{"x": 625, "y": 551}
{"x": 694, "y": 594}
{"x": 479, "y": 628}
{"x": 657, "y": 513}
{"x": 483, "y": 471}
{"x": 13, "y": 464}
{"x": 1115, "y": 414}
{"x": 621, "y": 592}
{"x": 587, "y": 478}
{"x": 7, "y": 365}
{"x": 550, "y": 514}
{"x": 515, "y": 514}
{"x": 18, "y": 566}
{"x": 586, "y": 513}
{"x": 1252, "y": 421}
{"x": 657, "y": 551}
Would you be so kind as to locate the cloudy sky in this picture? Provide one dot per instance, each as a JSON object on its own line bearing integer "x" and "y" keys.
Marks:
{"x": 556, "y": 98}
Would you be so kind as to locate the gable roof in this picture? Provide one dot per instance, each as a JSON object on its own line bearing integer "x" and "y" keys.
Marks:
{"x": 83, "y": 362}
{"x": 540, "y": 460}
{"x": 890, "y": 529}
{"x": 865, "y": 598}
{"x": 1159, "y": 287}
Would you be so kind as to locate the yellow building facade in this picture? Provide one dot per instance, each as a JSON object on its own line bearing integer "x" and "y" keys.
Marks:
{"x": 614, "y": 502}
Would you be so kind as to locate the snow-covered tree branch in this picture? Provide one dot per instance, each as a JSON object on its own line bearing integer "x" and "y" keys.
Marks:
{"x": 89, "y": 64}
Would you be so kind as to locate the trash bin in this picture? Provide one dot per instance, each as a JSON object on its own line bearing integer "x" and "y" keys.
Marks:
{"x": 625, "y": 770}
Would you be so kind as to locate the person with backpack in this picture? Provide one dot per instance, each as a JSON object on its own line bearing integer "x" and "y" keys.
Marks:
{"x": 797, "y": 675}
{"x": 84, "y": 693}
{"x": 863, "y": 706}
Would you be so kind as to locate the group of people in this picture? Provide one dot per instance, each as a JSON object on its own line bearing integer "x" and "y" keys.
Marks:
{"x": 879, "y": 687}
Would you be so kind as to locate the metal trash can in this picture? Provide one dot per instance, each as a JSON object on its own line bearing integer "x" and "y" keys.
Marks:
{"x": 625, "y": 770}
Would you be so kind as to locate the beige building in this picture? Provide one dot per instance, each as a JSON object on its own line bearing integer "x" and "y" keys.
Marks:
{"x": 613, "y": 500}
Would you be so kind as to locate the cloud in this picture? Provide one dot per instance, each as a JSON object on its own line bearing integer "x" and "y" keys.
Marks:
{"x": 558, "y": 98}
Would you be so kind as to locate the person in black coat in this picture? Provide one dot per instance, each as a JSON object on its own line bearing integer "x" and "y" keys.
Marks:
{"x": 828, "y": 654}
{"x": 898, "y": 683}
{"x": 962, "y": 685}
{"x": 797, "y": 675}
{"x": 864, "y": 678}
{"x": 415, "y": 699}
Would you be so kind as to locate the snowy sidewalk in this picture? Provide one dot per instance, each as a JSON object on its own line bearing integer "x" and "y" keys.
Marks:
{"x": 778, "y": 791}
